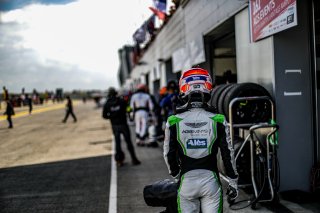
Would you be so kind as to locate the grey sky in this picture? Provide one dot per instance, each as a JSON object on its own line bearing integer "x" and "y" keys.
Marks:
{"x": 73, "y": 46}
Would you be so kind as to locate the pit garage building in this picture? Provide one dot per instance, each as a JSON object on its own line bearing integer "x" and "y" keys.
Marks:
{"x": 218, "y": 35}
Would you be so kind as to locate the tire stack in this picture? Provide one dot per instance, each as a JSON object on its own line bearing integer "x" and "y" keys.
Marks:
{"x": 243, "y": 112}
{"x": 253, "y": 111}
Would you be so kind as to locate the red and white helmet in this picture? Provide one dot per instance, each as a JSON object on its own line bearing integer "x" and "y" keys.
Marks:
{"x": 142, "y": 87}
{"x": 195, "y": 80}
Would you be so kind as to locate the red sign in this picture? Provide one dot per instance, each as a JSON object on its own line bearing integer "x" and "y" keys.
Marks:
{"x": 268, "y": 17}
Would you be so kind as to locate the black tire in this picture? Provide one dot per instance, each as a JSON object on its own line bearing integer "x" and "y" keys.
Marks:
{"x": 256, "y": 111}
{"x": 221, "y": 109}
{"x": 213, "y": 95}
{"x": 216, "y": 92}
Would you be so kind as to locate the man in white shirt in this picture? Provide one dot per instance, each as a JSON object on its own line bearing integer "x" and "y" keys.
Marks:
{"x": 142, "y": 105}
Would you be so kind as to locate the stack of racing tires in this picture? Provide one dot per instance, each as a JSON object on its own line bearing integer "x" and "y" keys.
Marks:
{"x": 244, "y": 111}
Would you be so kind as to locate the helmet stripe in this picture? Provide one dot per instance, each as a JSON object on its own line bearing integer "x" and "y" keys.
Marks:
{"x": 196, "y": 78}
{"x": 195, "y": 72}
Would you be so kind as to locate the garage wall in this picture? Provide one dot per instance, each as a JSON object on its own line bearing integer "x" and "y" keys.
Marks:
{"x": 294, "y": 102}
{"x": 185, "y": 30}
{"x": 255, "y": 61}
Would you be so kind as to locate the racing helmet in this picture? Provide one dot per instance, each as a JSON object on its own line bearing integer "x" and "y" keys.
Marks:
{"x": 195, "y": 84}
{"x": 142, "y": 87}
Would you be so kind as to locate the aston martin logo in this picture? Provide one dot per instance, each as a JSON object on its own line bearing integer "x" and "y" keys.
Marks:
{"x": 196, "y": 125}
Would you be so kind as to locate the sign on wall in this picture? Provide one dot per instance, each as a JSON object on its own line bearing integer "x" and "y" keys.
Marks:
{"x": 191, "y": 54}
{"x": 268, "y": 17}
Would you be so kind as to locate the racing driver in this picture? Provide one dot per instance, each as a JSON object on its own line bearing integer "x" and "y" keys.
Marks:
{"x": 192, "y": 139}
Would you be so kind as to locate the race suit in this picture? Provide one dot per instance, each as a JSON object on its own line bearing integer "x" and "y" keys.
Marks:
{"x": 141, "y": 104}
{"x": 192, "y": 140}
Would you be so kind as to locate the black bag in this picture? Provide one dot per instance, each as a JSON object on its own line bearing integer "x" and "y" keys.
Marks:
{"x": 161, "y": 193}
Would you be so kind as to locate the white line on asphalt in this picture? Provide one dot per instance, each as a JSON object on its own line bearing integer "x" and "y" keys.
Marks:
{"x": 113, "y": 183}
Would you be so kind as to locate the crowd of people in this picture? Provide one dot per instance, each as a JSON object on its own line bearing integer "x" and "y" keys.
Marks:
{"x": 35, "y": 98}
{"x": 147, "y": 112}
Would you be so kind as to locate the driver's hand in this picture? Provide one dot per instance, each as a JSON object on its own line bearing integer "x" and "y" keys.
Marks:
{"x": 232, "y": 193}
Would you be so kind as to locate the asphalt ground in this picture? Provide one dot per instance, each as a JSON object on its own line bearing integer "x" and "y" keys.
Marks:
{"x": 48, "y": 166}
{"x": 133, "y": 179}
{"x": 67, "y": 186}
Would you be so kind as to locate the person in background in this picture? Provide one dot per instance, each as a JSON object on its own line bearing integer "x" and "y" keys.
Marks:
{"x": 23, "y": 97}
{"x": 169, "y": 102}
{"x": 84, "y": 99}
{"x": 162, "y": 93}
{"x": 115, "y": 110}
{"x": 9, "y": 112}
{"x": 69, "y": 111}
{"x": 126, "y": 96}
{"x": 153, "y": 121}
{"x": 5, "y": 94}
{"x": 29, "y": 103}
{"x": 161, "y": 119}
{"x": 141, "y": 104}
{"x": 228, "y": 77}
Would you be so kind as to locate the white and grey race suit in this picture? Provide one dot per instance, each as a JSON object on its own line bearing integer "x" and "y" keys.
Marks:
{"x": 192, "y": 140}
{"x": 141, "y": 104}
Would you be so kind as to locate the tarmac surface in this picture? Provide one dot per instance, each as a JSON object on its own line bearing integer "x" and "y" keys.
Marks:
{"x": 48, "y": 166}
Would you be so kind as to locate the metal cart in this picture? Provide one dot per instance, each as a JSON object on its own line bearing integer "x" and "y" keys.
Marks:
{"x": 263, "y": 148}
